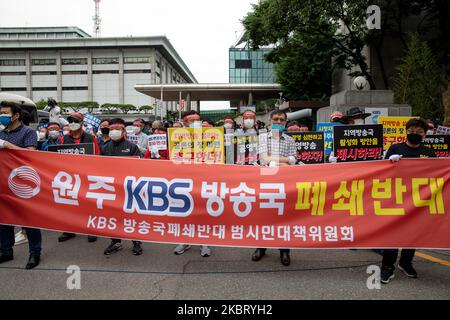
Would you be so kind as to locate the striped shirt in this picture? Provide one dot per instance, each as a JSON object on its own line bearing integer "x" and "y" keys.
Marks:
{"x": 23, "y": 136}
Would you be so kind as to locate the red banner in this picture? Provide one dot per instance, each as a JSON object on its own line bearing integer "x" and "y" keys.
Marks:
{"x": 346, "y": 205}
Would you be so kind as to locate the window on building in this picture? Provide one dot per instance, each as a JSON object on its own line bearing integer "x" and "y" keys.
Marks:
{"x": 105, "y": 71}
{"x": 74, "y": 72}
{"x": 136, "y": 60}
{"x": 12, "y": 62}
{"x": 44, "y": 89}
{"x": 43, "y": 62}
{"x": 105, "y": 61}
{"x": 74, "y": 61}
{"x": 74, "y": 88}
{"x": 43, "y": 73}
{"x": 14, "y": 89}
{"x": 158, "y": 64}
{"x": 13, "y": 73}
{"x": 137, "y": 71}
{"x": 243, "y": 64}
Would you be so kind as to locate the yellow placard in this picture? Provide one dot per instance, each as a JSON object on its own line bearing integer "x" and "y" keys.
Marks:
{"x": 394, "y": 130}
{"x": 198, "y": 145}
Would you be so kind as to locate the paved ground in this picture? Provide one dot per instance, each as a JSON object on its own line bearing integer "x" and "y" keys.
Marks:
{"x": 228, "y": 274}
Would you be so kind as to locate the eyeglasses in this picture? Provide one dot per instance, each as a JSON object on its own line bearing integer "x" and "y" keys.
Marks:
{"x": 74, "y": 120}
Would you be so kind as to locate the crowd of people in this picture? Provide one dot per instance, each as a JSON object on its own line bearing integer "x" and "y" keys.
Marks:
{"x": 111, "y": 139}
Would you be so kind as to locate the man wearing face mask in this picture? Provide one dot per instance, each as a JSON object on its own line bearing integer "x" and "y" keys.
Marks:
{"x": 104, "y": 133}
{"x": 278, "y": 150}
{"x": 120, "y": 147}
{"x": 142, "y": 143}
{"x": 53, "y": 130}
{"x": 77, "y": 135}
{"x": 249, "y": 122}
{"x": 17, "y": 136}
{"x": 413, "y": 148}
{"x": 229, "y": 124}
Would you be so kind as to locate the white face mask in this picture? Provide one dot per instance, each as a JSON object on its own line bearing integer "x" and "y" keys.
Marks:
{"x": 74, "y": 126}
{"x": 2, "y": 127}
{"x": 249, "y": 123}
{"x": 195, "y": 124}
{"x": 228, "y": 126}
{"x": 115, "y": 135}
{"x": 53, "y": 134}
{"x": 359, "y": 121}
{"x": 41, "y": 135}
{"x": 136, "y": 130}
{"x": 65, "y": 132}
{"x": 430, "y": 132}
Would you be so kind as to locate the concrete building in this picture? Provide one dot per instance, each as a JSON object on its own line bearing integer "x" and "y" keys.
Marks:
{"x": 69, "y": 65}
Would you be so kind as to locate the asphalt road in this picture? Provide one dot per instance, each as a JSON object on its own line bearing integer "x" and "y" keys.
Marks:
{"x": 228, "y": 274}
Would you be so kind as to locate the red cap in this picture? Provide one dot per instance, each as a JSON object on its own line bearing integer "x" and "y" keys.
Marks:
{"x": 77, "y": 115}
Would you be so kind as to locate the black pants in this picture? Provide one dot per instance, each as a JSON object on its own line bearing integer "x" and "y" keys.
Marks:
{"x": 119, "y": 241}
{"x": 7, "y": 240}
{"x": 281, "y": 250}
{"x": 390, "y": 256}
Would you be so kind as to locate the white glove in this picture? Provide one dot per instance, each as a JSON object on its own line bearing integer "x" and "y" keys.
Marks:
{"x": 154, "y": 152}
{"x": 332, "y": 158}
{"x": 301, "y": 163}
{"x": 273, "y": 164}
{"x": 395, "y": 157}
{"x": 2, "y": 144}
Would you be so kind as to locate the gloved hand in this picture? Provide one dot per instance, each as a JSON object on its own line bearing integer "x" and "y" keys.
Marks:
{"x": 2, "y": 144}
{"x": 300, "y": 163}
{"x": 154, "y": 152}
{"x": 332, "y": 158}
{"x": 395, "y": 157}
{"x": 273, "y": 164}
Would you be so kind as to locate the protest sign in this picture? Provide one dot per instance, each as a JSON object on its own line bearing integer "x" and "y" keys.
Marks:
{"x": 376, "y": 204}
{"x": 310, "y": 146}
{"x": 358, "y": 142}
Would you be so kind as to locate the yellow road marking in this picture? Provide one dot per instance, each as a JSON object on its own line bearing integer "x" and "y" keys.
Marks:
{"x": 433, "y": 259}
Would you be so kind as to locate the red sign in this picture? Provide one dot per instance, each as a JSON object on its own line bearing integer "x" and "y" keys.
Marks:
{"x": 346, "y": 205}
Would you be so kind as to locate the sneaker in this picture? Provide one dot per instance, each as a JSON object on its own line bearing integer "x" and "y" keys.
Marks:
{"x": 387, "y": 273}
{"x": 112, "y": 248}
{"x": 205, "y": 251}
{"x": 408, "y": 270}
{"x": 137, "y": 249}
{"x": 181, "y": 248}
{"x": 20, "y": 238}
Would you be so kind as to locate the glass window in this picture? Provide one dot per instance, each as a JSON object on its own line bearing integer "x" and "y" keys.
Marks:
{"x": 43, "y": 62}
{"x": 105, "y": 61}
{"x": 12, "y": 62}
{"x": 136, "y": 59}
{"x": 74, "y": 61}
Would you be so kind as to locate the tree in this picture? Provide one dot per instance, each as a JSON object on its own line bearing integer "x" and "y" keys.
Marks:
{"x": 310, "y": 26}
{"x": 146, "y": 108}
{"x": 41, "y": 104}
{"x": 419, "y": 81}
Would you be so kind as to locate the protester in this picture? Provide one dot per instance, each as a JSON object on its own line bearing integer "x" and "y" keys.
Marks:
{"x": 229, "y": 124}
{"x": 142, "y": 141}
{"x": 356, "y": 116}
{"x": 103, "y": 133}
{"x": 177, "y": 124}
{"x": 66, "y": 130}
{"x": 293, "y": 126}
{"x": 207, "y": 124}
{"x": 17, "y": 136}
{"x": 279, "y": 150}
{"x": 431, "y": 128}
{"x": 413, "y": 148}
{"x": 154, "y": 153}
{"x": 249, "y": 122}
{"x": 77, "y": 135}
{"x": 42, "y": 136}
{"x": 53, "y": 136}
{"x": 338, "y": 117}
{"x": 120, "y": 147}
{"x": 191, "y": 119}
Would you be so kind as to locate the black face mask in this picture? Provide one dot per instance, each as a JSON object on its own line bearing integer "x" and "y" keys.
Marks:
{"x": 414, "y": 138}
{"x": 105, "y": 130}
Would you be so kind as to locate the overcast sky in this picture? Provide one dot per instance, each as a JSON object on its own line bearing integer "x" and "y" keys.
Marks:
{"x": 200, "y": 30}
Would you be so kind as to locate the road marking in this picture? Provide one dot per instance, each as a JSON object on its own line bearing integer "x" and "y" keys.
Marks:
{"x": 433, "y": 259}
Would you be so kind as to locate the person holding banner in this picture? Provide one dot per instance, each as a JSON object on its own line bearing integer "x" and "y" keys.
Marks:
{"x": 53, "y": 136}
{"x": 249, "y": 122}
{"x": 104, "y": 133}
{"x": 191, "y": 119}
{"x": 229, "y": 124}
{"x": 120, "y": 147}
{"x": 154, "y": 152}
{"x": 77, "y": 135}
{"x": 17, "y": 136}
{"x": 142, "y": 138}
{"x": 413, "y": 148}
{"x": 278, "y": 150}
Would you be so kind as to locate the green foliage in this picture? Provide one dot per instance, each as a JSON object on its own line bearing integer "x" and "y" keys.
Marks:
{"x": 420, "y": 81}
{"x": 41, "y": 104}
{"x": 77, "y": 106}
{"x": 146, "y": 108}
{"x": 113, "y": 107}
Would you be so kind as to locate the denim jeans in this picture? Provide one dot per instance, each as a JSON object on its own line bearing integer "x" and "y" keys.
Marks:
{"x": 7, "y": 240}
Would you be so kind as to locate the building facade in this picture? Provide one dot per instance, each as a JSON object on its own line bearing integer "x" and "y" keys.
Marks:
{"x": 70, "y": 66}
{"x": 249, "y": 66}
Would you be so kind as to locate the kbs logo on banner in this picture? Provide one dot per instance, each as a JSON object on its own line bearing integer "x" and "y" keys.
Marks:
{"x": 158, "y": 196}
{"x": 24, "y": 182}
